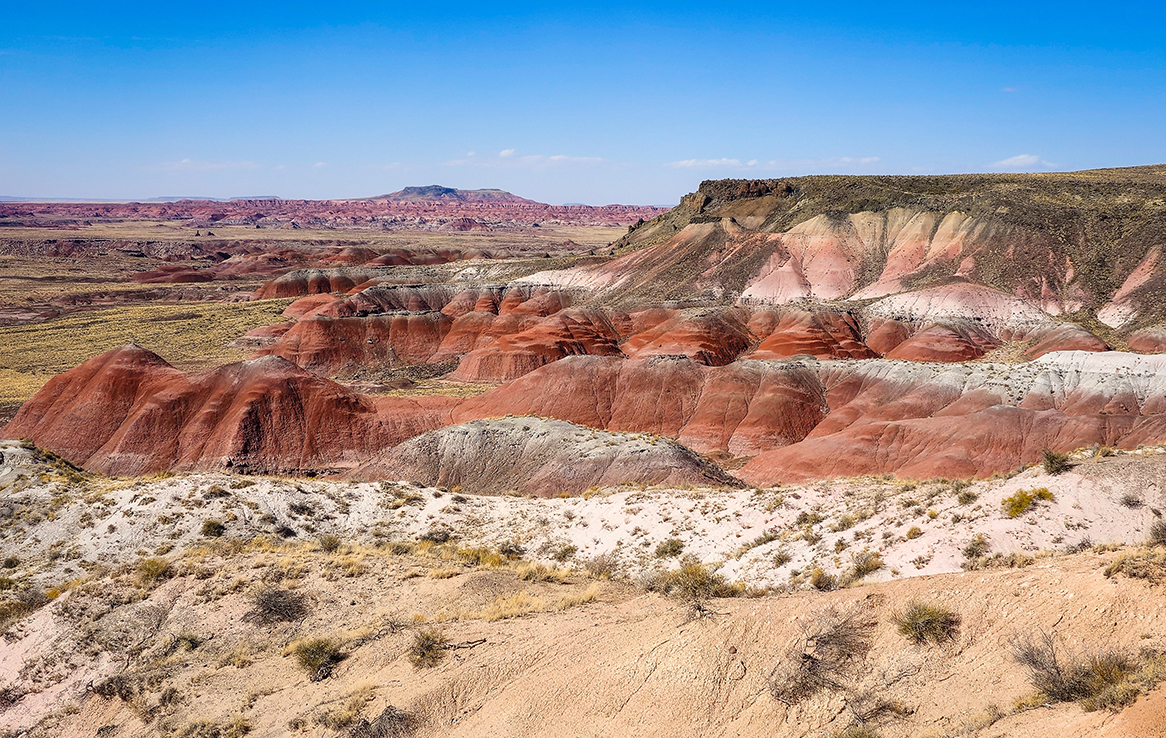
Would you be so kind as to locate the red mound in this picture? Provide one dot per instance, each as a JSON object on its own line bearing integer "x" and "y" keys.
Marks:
{"x": 128, "y": 412}
{"x": 825, "y": 335}
{"x": 173, "y": 275}
{"x": 944, "y": 343}
{"x": 330, "y": 345}
{"x": 742, "y": 407}
{"x": 885, "y": 335}
{"x": 1148, "y": 340}
{"x": 1065, "y": 337}
{"x": 314, "y": 282}
{"x": 306, "y": 307}
{"x": 715, "y": 338}
{"x": 566, "y": 333}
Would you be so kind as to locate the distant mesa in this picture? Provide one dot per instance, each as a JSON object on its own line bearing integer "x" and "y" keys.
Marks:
{"x": 440, "y": 193}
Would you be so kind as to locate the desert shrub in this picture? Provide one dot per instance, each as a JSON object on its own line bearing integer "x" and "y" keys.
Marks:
{"x": 428, "y": 648}
{"x": 512, "y": 550}
{"x": 1093, "y": 680}
{"x": 1023, "y": 501}
{"x": 541, "y": 573}
{"x": 603, "y": 566}
{"x": 564, "y": 552}
{"x": 977, "y": 547}
{"x": 436, "y": 535}
{"x": 329, "y": 543}
{"x": 1131, "y": 500}
{"x": 967, "y": 497}
{"x": 922, "y": 623}
{"x": 153, "y": 571}
{"x": 830, "y": 646}
{"x": 318, "y": 656}
{"x": 782, "y": 557}
{"x": 863, "y": 563}
{"x": 668, "y": 548}
{"x": 242, "y": 484}
{"x": 694, "y": 581}
{"x": 212, "y": 528}
{"x": 391, "y": 723}
{"x": 1142, "y": 564}
{"x": 274, "y": 604}
{"x": 1053, "y": 462}
{"x": 215, "y": 492}
{"x": 10, "y": 562}
{"x": 822, "y": 581}
{"x": 913, "y": 532}
{"x": 1157, "y": 535}
{"x": 857, "y": 731}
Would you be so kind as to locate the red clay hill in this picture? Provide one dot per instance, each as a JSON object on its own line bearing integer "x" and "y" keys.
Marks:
{"x": 802, "y": 328}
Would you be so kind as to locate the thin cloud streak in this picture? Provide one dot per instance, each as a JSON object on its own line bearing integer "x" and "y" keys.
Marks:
{"x": 1022, "y": 161}
{"x": 776, "y": 164}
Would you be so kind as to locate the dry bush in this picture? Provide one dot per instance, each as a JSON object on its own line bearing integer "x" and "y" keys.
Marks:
{"x": 1157, "y": 535}
{"x": 1053, "y": 462}
{"x": 668, "y": 548}
{"x": 212, "y": 528}
{"x": 1095, "y": 680}
{"x": 977, "y": 547}
{"x": 863, "y": 563}
{"x": 153, "y": 571}
{"x": 542, "y": 573}
{"x": 822, "y": 581}
{"x": 603, "y": 566}
{"x": 829, "y": 649}
{"x": 274, "y": 604}
{"x": 329, "y": 543}
{"x": 317, "y": 657}
{"x": 921, "y": 623}
{"x": 428, "y": 648}
{"x": 857, "y": 731}
{"x": 694, "y": 581}
{"x": 1142, "y": 564}
{"x": 391, "y": 723}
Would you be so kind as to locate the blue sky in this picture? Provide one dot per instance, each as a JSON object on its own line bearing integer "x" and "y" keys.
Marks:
{"x": 594, "y": 102}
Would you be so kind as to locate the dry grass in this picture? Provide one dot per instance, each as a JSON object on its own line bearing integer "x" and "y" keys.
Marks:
{"x": 830, "y": 646}
{"x": 921, "y": 623}
{"x": 35, "y": 353}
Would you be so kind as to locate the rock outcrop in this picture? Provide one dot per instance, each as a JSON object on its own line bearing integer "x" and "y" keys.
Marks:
{"x": 538, "y": 456}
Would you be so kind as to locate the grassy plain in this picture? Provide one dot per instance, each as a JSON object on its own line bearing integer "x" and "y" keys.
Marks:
{"x": 190, "y": 336}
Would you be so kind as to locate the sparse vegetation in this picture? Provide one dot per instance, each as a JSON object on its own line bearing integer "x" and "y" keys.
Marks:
{"x": 863, "y": 563}
{"x": 913, "y": 532}
{"x": 830, "y": 646}
{"x": 329, "y": 543}
{"x": 923, "y": 623}
{"x": 152, "y": 571}
{"x": 967, "y": 497}
{"x": 317, "y": 656}
{"x": 1157, "y": 535}
{"x": 1053, "y": 462}
{"x": 977, "y": 547}
{"x": 669, "y": 548}
{"x": 1097, "y": 680}
{"x": 212, "y": 528}
{"x": 270, "y": 604}
{"x": 428, "y": 648}
{"x": 1024, "y": 500}
{"x": 693, "y": 581}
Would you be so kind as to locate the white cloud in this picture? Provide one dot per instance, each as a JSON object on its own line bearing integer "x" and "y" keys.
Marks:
{"x": 1021, "y": 161}
{"x": 1008, "y": 89}
{"x": 510, "y": 159}
{"x": 198, "y": 165}
{"x": 754, "y": 165}
{"x": 319, "y": 165}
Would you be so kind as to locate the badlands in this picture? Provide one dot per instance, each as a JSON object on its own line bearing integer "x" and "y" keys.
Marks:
{"x": 821, "y": 456}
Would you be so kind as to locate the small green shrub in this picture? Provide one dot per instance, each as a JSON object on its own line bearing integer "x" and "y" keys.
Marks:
{"x": 212, "y": 528}
{"x": 428, "y": 649}
{"x": 1053, "y": 462}
{"x": 1024, "y": 500}
{"x": 921, "y": 623}
{"x": 318, "y": 656}
{"x": 670, "y": 547}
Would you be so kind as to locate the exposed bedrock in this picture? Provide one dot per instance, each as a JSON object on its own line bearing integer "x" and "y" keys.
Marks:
{"x": 539, "y": 456}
